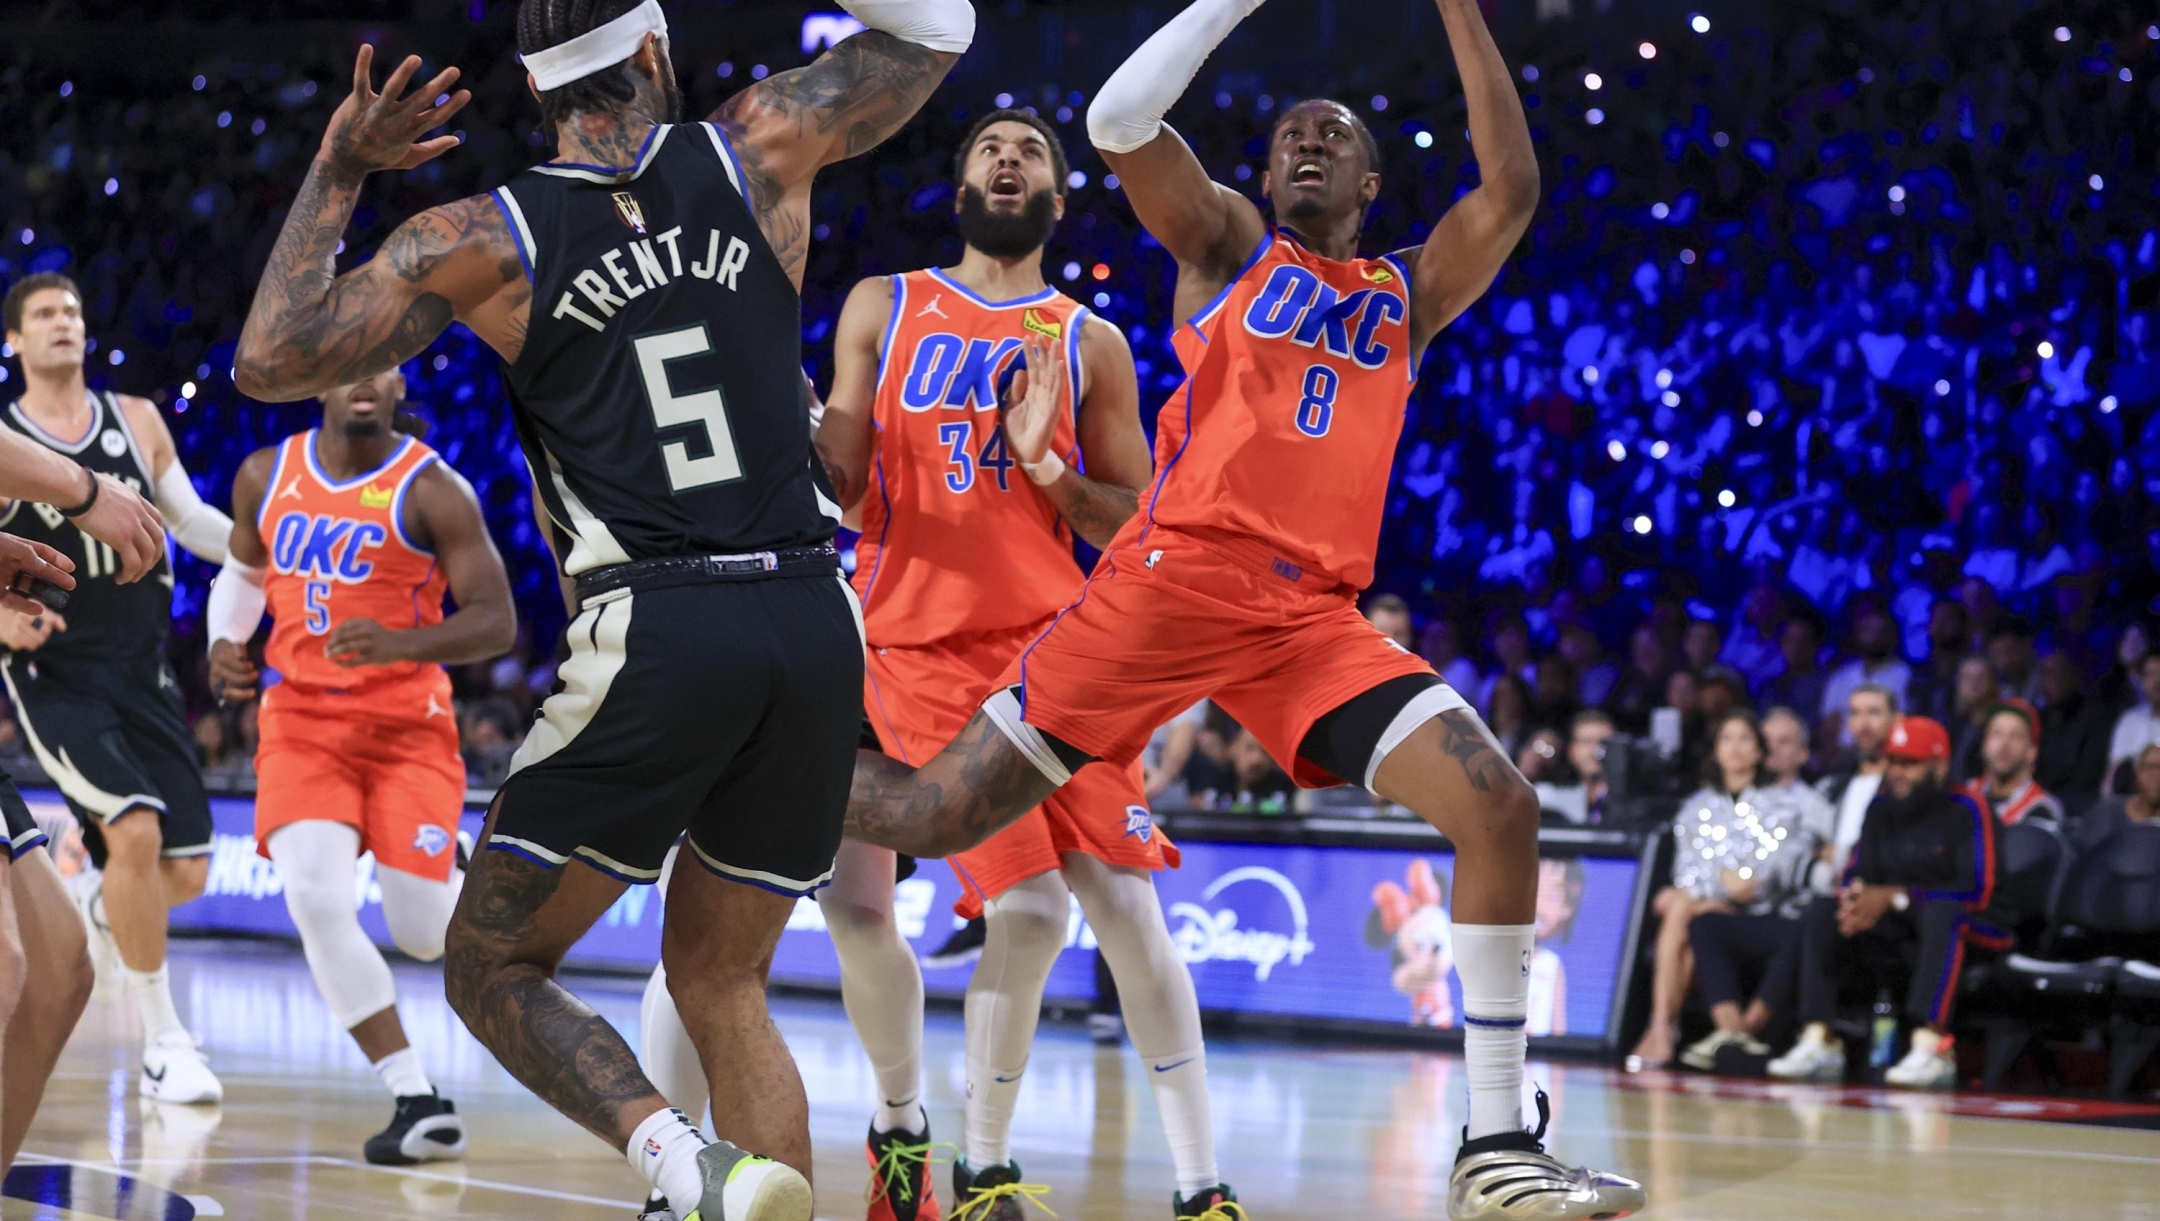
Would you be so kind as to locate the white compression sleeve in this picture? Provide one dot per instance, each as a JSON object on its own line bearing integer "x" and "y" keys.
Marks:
{"x": 1026, "y": 929}
{"x": 418, "y": 910}
{"x": 200, "y": 528}
{"x": 880, "y": 981}
{"x": 1128, "y": 110}
{"x": 315, "y": 858}
{"x": 667, "y": 1055}
{"x": 941, "y": 25}
{"x": 237, "y": 603}
{"x": 1162, "y": 1013}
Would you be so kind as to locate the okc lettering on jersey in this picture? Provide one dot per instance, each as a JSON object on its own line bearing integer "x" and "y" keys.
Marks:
{"x": 946, "y": 370}
{"x": 325, "y": 547}
{"x": 1296, "y": 304}
{"x": 633, "y": 268}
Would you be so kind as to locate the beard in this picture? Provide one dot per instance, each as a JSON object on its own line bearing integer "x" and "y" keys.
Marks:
{"x": 363, "y": 430}
{"x": 1005, "y": 236}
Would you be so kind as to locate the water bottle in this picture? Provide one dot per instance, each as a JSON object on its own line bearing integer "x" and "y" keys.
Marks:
{"x": 1882, "y": 1044}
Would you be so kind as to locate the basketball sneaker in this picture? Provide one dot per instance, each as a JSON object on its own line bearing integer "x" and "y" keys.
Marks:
{"x": 1509, "y": 1177}
{"x": 425, "y": 1129}
{"x": 742, "y": 1186}
{"x": 1702, "y": 1054}
{"x": 657, "y": 1208}
{"x": 900, "y": 1185}
{"x": 1217, "y": 1203}
{"x": 89, "y": 896}
{"x": 963, "y": 947}
{"x": 1922, "y": 1069}
{"x": 1816, "y": 1057}
{"x": 994, "y": 1193}
{"x": 173, "y": 1070}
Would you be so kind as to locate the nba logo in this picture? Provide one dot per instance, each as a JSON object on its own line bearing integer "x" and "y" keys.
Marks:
{"x": 626, "y": 206}
{"x": 431, "y": 840}
{"x": 1139, "y": 824}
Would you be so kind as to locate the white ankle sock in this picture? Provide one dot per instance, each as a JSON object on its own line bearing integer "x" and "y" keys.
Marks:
{"x": 401, "y": 1071}
{"x": 152, "y": 993}
{"x": 993, "y": 1093}
{"x": 664, "y": 1149}
{"x": 1180, "y": 1083}
{"x": 907, "y": 1115}
{"x": 1494, "y": 963}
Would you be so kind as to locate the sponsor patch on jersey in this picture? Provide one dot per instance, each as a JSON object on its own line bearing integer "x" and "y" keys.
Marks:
{"x": 432, "y": 840}
{"x": 112, "y": 442}
{"x": 1042, "y": 323}
{"x": 626, "y": 206}
{"x": 372, "y": 497}
{"x": 1379, "y": 275}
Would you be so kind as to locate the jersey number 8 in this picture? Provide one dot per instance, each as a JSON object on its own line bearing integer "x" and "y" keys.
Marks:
{"x": 703, "y": 407}
{"x": 1316, "y": 411}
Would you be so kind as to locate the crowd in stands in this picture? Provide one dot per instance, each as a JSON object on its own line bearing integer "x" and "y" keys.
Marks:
{"x": 1829, "y": 361}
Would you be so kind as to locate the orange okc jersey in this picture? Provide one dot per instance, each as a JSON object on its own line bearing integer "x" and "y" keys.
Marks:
{"x": 955, "y": 538}
{"x": 1297, "y": 379}
{"x": 338, "y": 551}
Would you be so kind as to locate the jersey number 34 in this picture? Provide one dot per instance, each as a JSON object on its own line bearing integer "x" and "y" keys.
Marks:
{"x": 701, "y": 407}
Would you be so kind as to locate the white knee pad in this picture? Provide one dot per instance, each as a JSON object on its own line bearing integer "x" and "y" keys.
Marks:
{"x": 315, "y": 859}
{"x": 418, "y": 910}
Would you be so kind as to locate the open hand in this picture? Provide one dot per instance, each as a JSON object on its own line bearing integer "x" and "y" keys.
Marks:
{"x": 22, "y": 562}
{"x": 1034, "y": 399}
{"x": 131, "y": 526}
{"x": 362, "y": 642}
{"x": 381, "y": 131}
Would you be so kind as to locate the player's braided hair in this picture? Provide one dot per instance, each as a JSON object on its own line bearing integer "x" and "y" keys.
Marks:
{"x": 1049, "y": 135}
{"x": 548, "y": 23}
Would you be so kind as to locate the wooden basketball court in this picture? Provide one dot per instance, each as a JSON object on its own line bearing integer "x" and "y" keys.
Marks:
{"x": 1305, "y": 1131}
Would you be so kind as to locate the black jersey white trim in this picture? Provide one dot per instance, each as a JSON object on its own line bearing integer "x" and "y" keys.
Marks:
{"x": 97, "y": 425}
{"x": 610, "y": 174}
{"x": 516, "y": 214}
{"x": 597, "y": 654}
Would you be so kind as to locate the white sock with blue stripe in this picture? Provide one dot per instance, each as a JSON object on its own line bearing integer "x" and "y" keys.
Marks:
{"x": 1493, "y": 961}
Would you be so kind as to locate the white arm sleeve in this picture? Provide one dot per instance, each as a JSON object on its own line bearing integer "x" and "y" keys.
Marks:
{"x": 199, "y": 527}
{"x": 1128, "y": 111}
{"x": 941, "y": 25}
{"x": 237, "y": 602}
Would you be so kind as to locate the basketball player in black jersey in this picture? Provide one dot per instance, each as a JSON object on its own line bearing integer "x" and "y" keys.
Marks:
{"x": 97, "y": 702}
{"x": 642, "y": 289}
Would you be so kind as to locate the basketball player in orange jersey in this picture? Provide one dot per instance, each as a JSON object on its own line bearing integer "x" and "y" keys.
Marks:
{"x": 966, "y": 554}
{"x": 351, "y": 534}
{"x": 1237, "y": 578}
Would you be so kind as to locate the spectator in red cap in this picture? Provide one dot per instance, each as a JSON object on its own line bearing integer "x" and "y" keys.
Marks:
{"x": 1918, "y": 894}
{"x": 2009, "y": 748}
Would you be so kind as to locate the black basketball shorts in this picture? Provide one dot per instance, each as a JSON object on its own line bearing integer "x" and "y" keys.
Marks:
{"x": 23, "y": 832}
{"x": 113, "y": 736}
{"x": 724, "y": 711}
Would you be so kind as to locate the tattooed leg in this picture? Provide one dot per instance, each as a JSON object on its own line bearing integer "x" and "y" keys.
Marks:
{"x": 718, "y": 946}
{"x": 1452, "y": 774}
{"x": 974, "y": 788}
{"x": 513, "y": 925}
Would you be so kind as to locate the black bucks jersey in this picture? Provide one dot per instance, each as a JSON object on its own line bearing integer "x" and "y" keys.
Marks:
{"x": 106, "y": 621}
{"x": 659, "y": 392}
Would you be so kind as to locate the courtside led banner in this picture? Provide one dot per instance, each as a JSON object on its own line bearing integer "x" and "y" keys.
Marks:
{"x": 1336, "y": 933}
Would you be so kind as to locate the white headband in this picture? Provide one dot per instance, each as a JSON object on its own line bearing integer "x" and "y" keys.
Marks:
{"x": 595, "y": 49}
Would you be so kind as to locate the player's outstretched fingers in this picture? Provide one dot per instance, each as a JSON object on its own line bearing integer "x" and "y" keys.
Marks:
{"x": 130, "y": 525}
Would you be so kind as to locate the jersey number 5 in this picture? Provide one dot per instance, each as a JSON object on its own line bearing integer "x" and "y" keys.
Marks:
{"x": 672, "y": 410}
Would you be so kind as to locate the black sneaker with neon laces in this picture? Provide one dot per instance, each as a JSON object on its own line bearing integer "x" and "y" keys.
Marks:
{"x": 994, "y": 1193}
{"x": 1508, "y": 1176}
{"x": 1217, "y": 1203}
{"x": 900, "y": 1185}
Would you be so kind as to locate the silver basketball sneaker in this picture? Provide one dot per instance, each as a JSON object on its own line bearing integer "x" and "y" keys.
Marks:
{"x": 1510, "y": 1177}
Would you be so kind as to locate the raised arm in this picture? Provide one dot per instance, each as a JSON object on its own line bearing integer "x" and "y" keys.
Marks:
{"x": 309, "y": 328}
{"x": 443, "y": 516}
{"x": 844, "y": 103}
{"x": 845, "y": 435}
{"x": 1467, "y": 248}
{"x": 1207, "y": 227}
{"x": 1098, "y": 503}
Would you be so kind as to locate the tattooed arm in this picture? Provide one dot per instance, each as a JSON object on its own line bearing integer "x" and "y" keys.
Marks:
{"x": 846, "y": 436}
{"x": 790, "y": 125}
{"x": 309, "y": 328}
{"x": 974, "y": 788}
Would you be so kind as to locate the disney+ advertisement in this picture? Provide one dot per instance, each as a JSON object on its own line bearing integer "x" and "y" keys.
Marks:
{"x": 1296, "y": 931}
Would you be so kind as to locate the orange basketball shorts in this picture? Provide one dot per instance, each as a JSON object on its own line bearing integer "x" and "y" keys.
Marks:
{"x": 1180, "y": 616}
{"x": 919, "y": 699}
{"x": 383, "y": 760}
